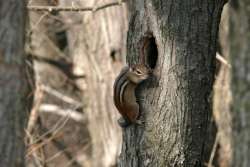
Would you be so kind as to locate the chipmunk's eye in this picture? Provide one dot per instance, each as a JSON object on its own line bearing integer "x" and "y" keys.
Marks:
{"x": 138, "y": 72}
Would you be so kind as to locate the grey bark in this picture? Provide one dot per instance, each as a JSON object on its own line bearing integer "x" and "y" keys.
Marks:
{"x": 15, "y": 93}
{"x": 176, "y": 103}
{"x": 240, "y": 83}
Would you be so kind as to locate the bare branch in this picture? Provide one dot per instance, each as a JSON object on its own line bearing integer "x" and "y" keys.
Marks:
{"x": 54, "y": 109}
{"x": 222, "y": 60}
{"x": 61, "y": 96}
{"x": 35, "y": 146}
{"x": 74, "y": 9}
{"x": 62, "y": 147}
{"x": 213, "y": 151}
{"x": 34, "y": 112}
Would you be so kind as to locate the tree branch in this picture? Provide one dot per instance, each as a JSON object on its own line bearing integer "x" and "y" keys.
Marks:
{"x": 74, "y": 9}
{"x": 54, "y": 109}
{"x": 222, "y": 60}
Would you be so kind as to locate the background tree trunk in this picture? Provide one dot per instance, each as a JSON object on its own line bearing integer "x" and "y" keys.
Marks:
{"x": 56, "y": 96}
{"x": 97, "y": 45}
{"x": 176, "y": 103}
{"x": 15, "y": 92}
{"x": 240, "y": 83}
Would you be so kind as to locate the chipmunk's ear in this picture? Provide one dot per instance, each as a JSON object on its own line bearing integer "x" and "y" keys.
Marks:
{"x": 148, "y": 67}
{"x": 150, "y": 71}
{"x": 131, "y": 69}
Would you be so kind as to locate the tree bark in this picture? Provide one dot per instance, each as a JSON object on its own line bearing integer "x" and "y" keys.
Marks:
{"x": 240, "y": 83}
{"x": 15, "y": 92}
{"x": 176, "y": 102}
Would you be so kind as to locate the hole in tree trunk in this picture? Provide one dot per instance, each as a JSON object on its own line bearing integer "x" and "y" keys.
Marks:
{"x": 149, "y": 51}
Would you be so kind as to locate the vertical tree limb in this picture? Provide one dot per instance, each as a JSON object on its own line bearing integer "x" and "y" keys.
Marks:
{"x": 15, "y": 92}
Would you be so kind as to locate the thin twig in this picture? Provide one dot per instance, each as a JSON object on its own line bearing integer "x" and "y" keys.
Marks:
{"x": 61, "y": 96}
{"x": 222, "y": 60}
{"x": 34, "y": 112}
{"x": 36, "y": 24}
{"x": 73, "y": 8}
{"x": 61, "y": 146}
{"x": 54, "y": 109}
{"x": 34, "y": 147}
{"x": 56, "y": 155}
{"x": 210, "y": 163}
{"x": 59, "y": 125}
{"x": 37, "y": 160}
{"x": 39, "y": 21}
{"x": 54, "y": 130}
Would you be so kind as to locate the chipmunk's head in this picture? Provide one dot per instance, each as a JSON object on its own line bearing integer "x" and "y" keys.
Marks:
{"x": 137, "y": 73}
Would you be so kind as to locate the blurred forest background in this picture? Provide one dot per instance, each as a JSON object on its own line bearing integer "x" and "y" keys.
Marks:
{"x": 76, "y": 57}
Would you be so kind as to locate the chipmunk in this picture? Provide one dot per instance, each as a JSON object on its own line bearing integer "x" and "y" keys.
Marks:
{"x": 124, "y": 93}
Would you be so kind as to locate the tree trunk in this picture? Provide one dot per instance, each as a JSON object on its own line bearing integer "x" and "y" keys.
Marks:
{"x": 97, "y": 46}
{"x": 239, "y": 54}
{"x": 15, "y": 92}
{"x": 178, "y": 40}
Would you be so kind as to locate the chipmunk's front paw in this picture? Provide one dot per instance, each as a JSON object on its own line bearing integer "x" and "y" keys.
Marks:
{"x": 140, "y": 122}
{"x": 123, "y": 122}
{"x": 140, "y": 100}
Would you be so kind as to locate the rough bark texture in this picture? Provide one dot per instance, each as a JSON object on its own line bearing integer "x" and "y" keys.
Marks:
{"x": 176, "y": 102}
{"x": 240, "y": 83}
{"x": 98, "y": 45}
{"x": 15, "y": 92}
